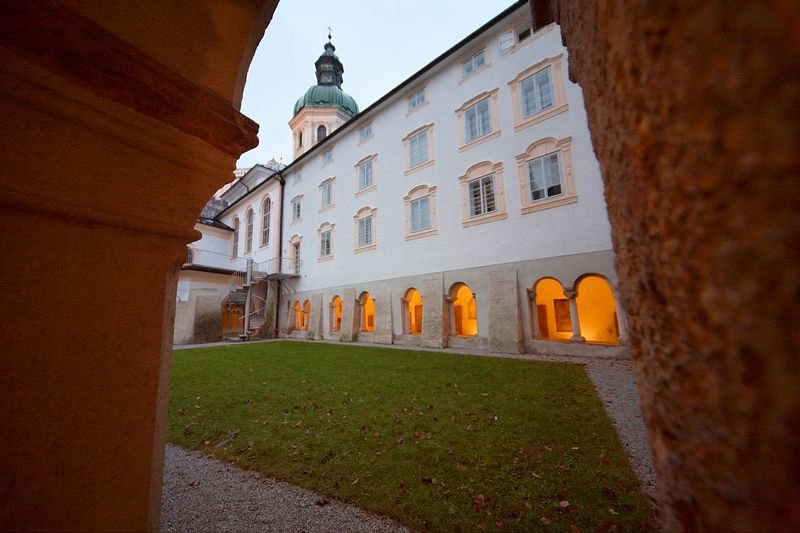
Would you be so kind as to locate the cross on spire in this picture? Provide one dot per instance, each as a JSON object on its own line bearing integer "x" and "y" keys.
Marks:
{"x": 329, "y": 33}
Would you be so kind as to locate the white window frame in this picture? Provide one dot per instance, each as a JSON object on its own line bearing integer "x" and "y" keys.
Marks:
{"x": 418, "y": 193}
{"x": 326, "y": 228}
{"x": 494, "y": 119}
{"x": 427, "y": 130}
{"x": 297, "y": 209}
{"x": 554, "y": 65}
{"x": 370, "y": 162}
{"x": 329, "y": 185}
{"x": 249, "y": 220}
{"x": 327, "y": 157}
{"x": 416, "y": 99}
{"x": 361, "y": 216}
{"x": 469, "y": 66}
{"x": 537, "y": 150}
{"x": 236, "y": 230}
{"x": 483, "y": 124}
{"x": 475, "y": 172}
{"x": 365, "y": 133}
{"x": 266, "y": 220}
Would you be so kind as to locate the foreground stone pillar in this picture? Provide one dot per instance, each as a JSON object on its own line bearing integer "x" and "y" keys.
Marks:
{"x": 109, "y": 151}
{"x": 694, "y": 109}
{"x": 315, "y": 325}
{"x": 534, "y": 321}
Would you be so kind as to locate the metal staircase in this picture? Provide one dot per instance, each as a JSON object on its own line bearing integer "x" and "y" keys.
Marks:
{"x": 244, "y": 284}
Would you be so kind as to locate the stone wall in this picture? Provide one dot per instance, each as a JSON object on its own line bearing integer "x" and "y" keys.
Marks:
{"x": 694, "y": 110}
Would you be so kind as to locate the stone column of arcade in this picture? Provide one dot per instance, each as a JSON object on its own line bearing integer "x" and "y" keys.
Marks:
{"x": 117, "y": 124}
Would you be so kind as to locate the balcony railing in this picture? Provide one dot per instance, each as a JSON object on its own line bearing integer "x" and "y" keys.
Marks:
{"x": 281, "y": 267}
{"x": 216, "y": 260}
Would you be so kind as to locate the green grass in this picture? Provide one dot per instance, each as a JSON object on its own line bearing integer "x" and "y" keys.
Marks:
{"x": 437, "y": 441}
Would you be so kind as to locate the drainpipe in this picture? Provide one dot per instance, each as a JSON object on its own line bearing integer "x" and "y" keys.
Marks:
{"x": 282, "y": 181}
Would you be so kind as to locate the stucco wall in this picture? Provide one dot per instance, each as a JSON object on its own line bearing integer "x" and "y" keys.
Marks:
{"x": 576, "y": 228}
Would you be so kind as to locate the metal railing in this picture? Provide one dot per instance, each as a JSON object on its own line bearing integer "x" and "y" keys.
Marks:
{"x": 205, "y": 258}
{"x": 281, "y": 265}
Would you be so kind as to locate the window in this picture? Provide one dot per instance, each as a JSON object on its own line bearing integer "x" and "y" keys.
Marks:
{"x": 326, "y": 193}
{"x": 420, "y": 212}
{"x": 473, "y": 63}
{"x": 365, "y": 175}
{"x": 325, "y": 232}
{"x": 365, "y": 231}
{"x": 482, "y": 194}
{"x": 325, "y": 243}
{"x": 336, "y": 314}
{"x": 416, "y": 99}
{"x": 322, "y": 132}
{"x": 297, "y": 212}
{"x": 365, "y": 133}
{"x": 418, "y": 149}
{"x": 537, "y": 92}
{"x": 477, "y": 120}
{"x": 365, "y": 236}
{"x": 235, "y": 251}
{"x": 523, "y": 34}
{"x": 266, "y": 212}
{"x": 327, "y": 157}
{"x": 295, "y": 259}
{"x": 545, "y": 175}
{"x": 248, "y": 240}
{"x": 299, "y": 139}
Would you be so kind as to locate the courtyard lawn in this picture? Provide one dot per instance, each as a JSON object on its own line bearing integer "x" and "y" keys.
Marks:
{"x": 440, "y": 442}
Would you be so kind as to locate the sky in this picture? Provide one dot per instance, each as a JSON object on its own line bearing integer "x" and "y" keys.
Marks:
{"x": 380, "y": 44}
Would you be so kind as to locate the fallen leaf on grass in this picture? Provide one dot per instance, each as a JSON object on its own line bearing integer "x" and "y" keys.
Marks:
{"x": 354, "y": 482}
{"x": 484, "y": 394}
{"x": 575, "y": 529}
{"x": 563, "y": 504}
{"x": 612, "y": 511}
{"x": 545, "y": 521}
{"x": 298, "y": 424}
{"x": 479, "y": 502}
{"x": 469, "y": 427}
{"x": 427, "y": 480}
{"x": 529, "y": 505}
{"x": 224, "y": 441}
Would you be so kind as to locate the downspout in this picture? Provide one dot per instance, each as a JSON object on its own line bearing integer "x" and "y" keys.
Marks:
{"x": 282, "y": 181}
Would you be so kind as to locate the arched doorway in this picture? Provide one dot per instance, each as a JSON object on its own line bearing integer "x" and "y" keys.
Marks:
{"x": 463, "y": 311}
{"x": 597, "y": 310}
{"x": 367, "y": 308}
{"x": 412, "y": 302}
{"x": 336, "y": 314}
{"x": 297, "y": 310}
{"x": 551, "y": 308}
{"x": 231, "y": 318}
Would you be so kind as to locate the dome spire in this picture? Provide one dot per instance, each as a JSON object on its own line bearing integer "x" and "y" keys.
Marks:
{"x": 329, "y": 68}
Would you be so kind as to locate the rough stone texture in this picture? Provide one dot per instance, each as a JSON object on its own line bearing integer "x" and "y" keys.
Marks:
{"x": 315, "y": 320}
{"x": 383, "y": 319}
{"x": 505, "y": 330}
{"x": 271, "y": 304}
{"x": 695, "y": 114}
{"x": 433, "y": 312}
{"x": 203, "y": 494}
{"x": 349, "y": 315}
{"x": 207, "y": 321}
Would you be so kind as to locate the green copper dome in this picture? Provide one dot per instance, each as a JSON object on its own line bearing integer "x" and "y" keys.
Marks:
{"x": 327, "y": 96}
{"x": 328, "y": 90}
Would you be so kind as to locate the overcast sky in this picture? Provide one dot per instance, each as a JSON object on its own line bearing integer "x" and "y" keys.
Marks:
{"x": 380, "y": 44}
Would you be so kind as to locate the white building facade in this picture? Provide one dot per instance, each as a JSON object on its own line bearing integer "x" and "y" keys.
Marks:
{"x": 463, "y": 209}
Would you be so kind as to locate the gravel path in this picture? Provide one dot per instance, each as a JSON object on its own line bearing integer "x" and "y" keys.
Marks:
{"x": 204, "y": 494}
